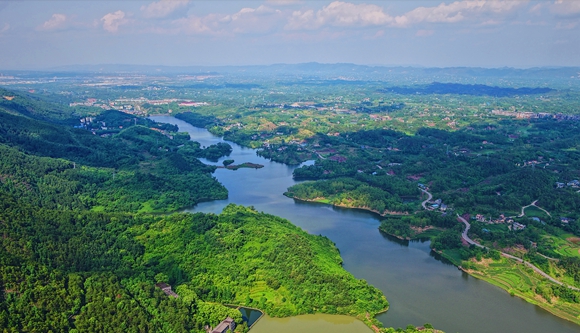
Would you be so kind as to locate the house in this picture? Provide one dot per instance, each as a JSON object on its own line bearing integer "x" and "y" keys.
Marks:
{"x": 559, "y": 185}
{"x": 518, "y": 226}
{"x": 166, "y": 289}
{"x": 226, "y": 325}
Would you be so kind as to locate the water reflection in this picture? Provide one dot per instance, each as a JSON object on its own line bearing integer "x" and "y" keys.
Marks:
{"x": 250, "y": 316}
{"x": 315, "y": 323}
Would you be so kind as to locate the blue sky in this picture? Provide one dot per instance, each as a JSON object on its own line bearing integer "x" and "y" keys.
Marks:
{"x": 44, "y": 34}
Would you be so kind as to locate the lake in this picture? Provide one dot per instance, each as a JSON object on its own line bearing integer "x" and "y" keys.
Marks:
{"x": 420, "y": 286}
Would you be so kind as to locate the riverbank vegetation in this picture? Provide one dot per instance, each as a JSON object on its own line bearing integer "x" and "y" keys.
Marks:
{"x": 519, "y": 280}
{"x": 350, "y": 193}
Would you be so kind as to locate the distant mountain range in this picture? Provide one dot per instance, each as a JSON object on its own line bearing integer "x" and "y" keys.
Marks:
{"x": 329, "y": 74}
{"x": 338, "y": 68}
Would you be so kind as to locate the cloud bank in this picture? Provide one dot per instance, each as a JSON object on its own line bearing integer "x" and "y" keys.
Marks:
{"x": 163, "y": 8}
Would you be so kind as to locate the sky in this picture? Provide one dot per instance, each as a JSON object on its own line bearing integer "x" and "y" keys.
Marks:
{"x": 522, "y": 34}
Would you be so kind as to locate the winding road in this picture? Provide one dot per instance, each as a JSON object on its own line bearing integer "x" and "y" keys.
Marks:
{"x": 429, "y": 197}
{"x": 533, "y": 204}
{"x": 507, "y": 255}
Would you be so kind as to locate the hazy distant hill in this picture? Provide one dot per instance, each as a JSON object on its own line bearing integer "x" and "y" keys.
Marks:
{"x": 338, "y": 68}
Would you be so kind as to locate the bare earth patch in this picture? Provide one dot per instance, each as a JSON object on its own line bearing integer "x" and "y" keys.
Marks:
{"x": 484, "y": 261}
{"x": 575, "y": 240}
{"x": 421, "y": 230}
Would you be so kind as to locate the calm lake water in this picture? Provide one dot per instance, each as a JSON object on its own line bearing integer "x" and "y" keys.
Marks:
{"x": 250, "y": 315}
{"x": 420, "y": 287}
{"x": 315, "y": 323}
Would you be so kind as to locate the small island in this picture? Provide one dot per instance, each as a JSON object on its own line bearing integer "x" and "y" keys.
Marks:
{"x": 243, "y": 165}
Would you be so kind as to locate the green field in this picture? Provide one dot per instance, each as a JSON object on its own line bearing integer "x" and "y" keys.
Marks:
{"x": 566, "y": 245}
{"x": 429, "y": 233}
{"x": 534, "y": 211}
{"x": 519, "y": 280}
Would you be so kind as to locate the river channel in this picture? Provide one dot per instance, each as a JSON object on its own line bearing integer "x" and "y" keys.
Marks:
{"x": 420, "y": 287}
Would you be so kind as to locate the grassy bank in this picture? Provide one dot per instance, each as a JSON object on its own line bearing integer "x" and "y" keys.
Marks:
{"x": 518, "y": 280}
{"x": 333, "y": 203}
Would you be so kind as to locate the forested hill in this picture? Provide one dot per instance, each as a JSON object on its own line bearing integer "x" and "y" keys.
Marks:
{"x": 31, "y": 106}
{"x": 84, "y": 271}
{"x": 79, "y": 251}
{"x": 467, "y": 89}
{"x": 137, "y": 168}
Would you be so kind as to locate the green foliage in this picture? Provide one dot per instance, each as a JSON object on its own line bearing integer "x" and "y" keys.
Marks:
{"x": 448, "y": 239}
{"x": 572, "y": 266}
{"x": 80, "y": 266}
{"x": 139, "y": 169}
{"x": 72, "y": 258}
{"x": 242, "y": 252}
{"x": 214, "y": 152}
{"x": 34, "y": 107}
{"x": 348, "y": 192}
{"x": 196, "y": 119}
{"x": 167, "y": 184}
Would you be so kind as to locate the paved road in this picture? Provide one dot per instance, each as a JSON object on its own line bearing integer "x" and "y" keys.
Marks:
{"x": 507, "y": 255}
{"x": 533, "y": 204}
{"x": 429, "y": 197}
{"x": 464, "y": 234}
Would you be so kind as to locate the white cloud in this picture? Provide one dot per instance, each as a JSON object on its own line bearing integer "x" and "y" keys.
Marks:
{"x": 303, "y": 20}
{"x": 247, "y": 20}
{"x": 57, "y": 21}
{"x": 339, "y": 14}
{"x": 112, "y": 21}
{"x": 457, "y": 11}
{"x": 162, "y": 8}
{"x": 283, "y": 2}
{"x": 566, "y": 7}
{"x": 349, "y": 14}
{"x": 253, "y": 20}
{"x": 192, "y": 25}
{"x": 250, "y": 12}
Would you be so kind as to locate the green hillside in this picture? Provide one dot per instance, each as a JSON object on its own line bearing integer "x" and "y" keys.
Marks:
{"x": 79, "y": 251}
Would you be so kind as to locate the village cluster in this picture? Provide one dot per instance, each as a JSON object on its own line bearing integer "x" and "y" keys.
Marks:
{"x": 573, "y": 183}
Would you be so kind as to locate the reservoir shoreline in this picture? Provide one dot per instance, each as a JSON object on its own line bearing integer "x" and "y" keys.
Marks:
{"x": 473, "y": 273}
{"x": 420, "y": 287}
